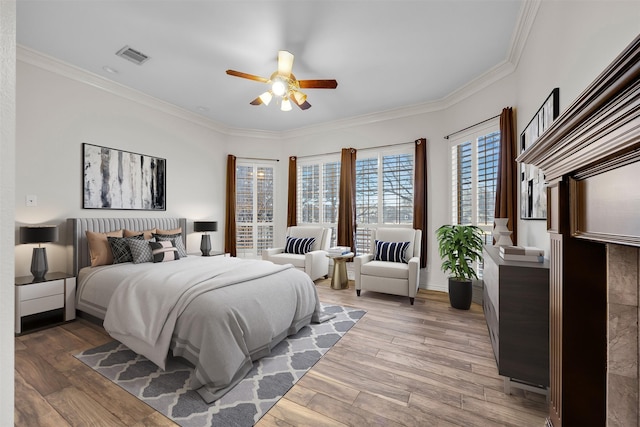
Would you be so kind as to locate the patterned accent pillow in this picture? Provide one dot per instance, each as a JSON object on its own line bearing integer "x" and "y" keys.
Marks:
{"x": 120, "y": 248}
{"x": 148, "y": 234}
{"x": 391, "y": 251}
{"x": 298, "y": 245}
{"x": 164, "y": 251}
{"x": 176, "y": 239}
{"x": 140, "y": 250}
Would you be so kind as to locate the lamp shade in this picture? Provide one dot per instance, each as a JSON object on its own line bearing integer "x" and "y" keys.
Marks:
{"x": 38, "y": 234}
{"x": 205, "y": 226}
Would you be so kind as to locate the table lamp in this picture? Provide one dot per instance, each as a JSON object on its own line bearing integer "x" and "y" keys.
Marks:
{"x": 205, "y": 227}
{"x": 39, "y": 234}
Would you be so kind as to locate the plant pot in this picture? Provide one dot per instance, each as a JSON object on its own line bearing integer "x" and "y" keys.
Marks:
{"x": 460, "y": 293}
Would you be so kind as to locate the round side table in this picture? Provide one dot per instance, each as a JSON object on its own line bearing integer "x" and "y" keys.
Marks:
{"x": 340, "y": 280}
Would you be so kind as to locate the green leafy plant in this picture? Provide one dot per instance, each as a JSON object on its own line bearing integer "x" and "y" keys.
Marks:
{"x": 460, "y": 246}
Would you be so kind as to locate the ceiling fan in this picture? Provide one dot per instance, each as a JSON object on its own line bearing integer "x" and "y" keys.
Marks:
{"x": 284, "y": 84}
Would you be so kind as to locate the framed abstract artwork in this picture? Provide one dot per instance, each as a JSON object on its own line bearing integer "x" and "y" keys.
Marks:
{"x": 116, "y": 179}
{"x": 533, "y": 191}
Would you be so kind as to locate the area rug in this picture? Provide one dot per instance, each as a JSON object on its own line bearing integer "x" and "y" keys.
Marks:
{"x": 271, "y": 377}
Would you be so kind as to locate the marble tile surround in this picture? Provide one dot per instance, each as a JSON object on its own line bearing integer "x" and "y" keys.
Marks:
{"x": 623, "y": 351}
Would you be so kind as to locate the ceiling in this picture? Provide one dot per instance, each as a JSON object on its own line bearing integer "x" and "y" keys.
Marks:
{"x": 385, "y": 55}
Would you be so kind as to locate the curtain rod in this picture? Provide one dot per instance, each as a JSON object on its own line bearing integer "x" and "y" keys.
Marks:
{"x": 469, "y": 127}
{"x": 256, "y": 158}
{"x": 367, "y": 148}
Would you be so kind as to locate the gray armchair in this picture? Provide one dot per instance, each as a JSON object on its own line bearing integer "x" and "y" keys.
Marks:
{"x": 397, "y": 278}
{"x": 315, "y": 262}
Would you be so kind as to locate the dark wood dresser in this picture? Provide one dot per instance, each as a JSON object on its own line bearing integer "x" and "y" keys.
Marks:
{"x": 516, "y": 307}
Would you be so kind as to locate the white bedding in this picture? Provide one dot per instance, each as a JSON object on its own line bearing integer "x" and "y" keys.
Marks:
{"x": 219, "y": 313}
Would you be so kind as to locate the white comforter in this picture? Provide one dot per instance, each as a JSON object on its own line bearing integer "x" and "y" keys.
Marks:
{"x": 190, "y": 306}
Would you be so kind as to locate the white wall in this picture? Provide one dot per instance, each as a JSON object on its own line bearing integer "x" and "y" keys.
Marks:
{"x": 56, "y": 114}
{"x": 570, "y": 44}
{"x": 7, "y": 182}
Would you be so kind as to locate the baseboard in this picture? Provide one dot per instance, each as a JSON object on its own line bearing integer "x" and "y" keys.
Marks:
{"x": 435, "y": 287}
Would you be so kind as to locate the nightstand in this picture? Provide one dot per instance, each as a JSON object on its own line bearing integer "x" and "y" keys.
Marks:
{"x": 45, "y": 302}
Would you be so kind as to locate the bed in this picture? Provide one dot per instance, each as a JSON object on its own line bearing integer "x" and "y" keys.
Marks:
{"x": 219, "y": 313}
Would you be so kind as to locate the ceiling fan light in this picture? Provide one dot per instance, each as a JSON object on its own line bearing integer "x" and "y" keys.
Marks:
{"x": 279, "y": 88}
{"x": 300, "y": 97}
{"x": 286, "y": 105}
{"x": 266, "y": 97}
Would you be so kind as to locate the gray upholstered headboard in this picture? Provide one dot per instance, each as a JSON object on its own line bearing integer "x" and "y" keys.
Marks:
{"x": 77, "y": 227}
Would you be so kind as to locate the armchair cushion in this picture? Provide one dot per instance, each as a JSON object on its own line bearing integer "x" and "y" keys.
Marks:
{"x": 391, "y": 251}
{"x": 392, "y": 270}
{"x": 281, "y": 258}
{"x": 299, "y": 245}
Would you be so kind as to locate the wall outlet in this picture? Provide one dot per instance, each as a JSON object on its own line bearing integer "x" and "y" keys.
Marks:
{"x": 32, "y": 200}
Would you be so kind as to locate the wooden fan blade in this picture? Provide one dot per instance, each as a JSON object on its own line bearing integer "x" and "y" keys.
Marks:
{"x": 256, "y": 101}
{"x": 318, "y": 84}
{"x": 303, "y": 106}
{"x": 247, "y": 76}
{"x": 285, "y": 63}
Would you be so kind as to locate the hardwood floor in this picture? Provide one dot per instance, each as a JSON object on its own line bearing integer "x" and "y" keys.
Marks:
{"x": 400, "y": 365}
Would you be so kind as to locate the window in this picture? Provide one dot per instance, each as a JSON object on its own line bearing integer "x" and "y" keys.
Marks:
{"x": 254, "y": 209}
{"x": 389, "y": 174}
{"x": 318, "y": 192}
{"x": 474, "y": 172}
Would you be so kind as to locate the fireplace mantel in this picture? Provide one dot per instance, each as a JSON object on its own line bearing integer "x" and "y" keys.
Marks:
{"x": 591, "y": 160}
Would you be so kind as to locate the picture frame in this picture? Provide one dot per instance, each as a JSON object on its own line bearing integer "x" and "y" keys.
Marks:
{"x": 118, "y": 179}
{"x": 533, "y": 191}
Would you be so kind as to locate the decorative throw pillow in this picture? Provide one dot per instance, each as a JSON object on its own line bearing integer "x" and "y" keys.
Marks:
{"x": 140, "y": 250}
{"x": 120, "y": 248}
{"x": 176, "y": 239}
{"x": 298, "y": 245}
{"x": 164, "y": 251}
{"x": 148, "y": 234}
{"x": 167, "y": 232}
{"x": 391, "y": 251}
{"x": 99, "y": 249}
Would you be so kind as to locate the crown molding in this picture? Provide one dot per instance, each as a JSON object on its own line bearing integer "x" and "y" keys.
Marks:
{"x": 520, "y": 34}
{"x": 525, "y": 21}
{"x": 526, "y": 18}
{"x": 57, "y": 66}
{"x": 54, "y": 65}
{"x": 365, "y": 119}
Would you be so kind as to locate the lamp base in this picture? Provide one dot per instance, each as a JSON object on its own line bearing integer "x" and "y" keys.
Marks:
{"x": 205, "y": 245}
{"x": 39, "y": 264}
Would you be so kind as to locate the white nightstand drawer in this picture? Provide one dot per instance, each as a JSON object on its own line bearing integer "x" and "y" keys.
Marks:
{"x": 38, "y": 305}
{"x": 39, "y": 290}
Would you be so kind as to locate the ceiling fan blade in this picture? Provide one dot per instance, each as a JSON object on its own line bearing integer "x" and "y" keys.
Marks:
{"x": 318, "y": 84}
{"x": 247, "y": 76}
{"x": 303, "y": 105}
{"x": 285, "y": 63}
{"x": 256, "y": 101}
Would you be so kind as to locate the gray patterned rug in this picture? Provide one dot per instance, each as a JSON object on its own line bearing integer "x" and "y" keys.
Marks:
{"x": 271, "y": 377}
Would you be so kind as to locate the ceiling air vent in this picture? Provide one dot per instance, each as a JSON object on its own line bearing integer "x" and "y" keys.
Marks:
{"x": 132, "y": 55}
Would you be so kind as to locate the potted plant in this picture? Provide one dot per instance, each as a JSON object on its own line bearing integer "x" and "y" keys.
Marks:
{"x": 460, "y": 247}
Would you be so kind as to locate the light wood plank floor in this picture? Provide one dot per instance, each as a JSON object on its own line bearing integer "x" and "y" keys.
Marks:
{"x": 400, "y": 365}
